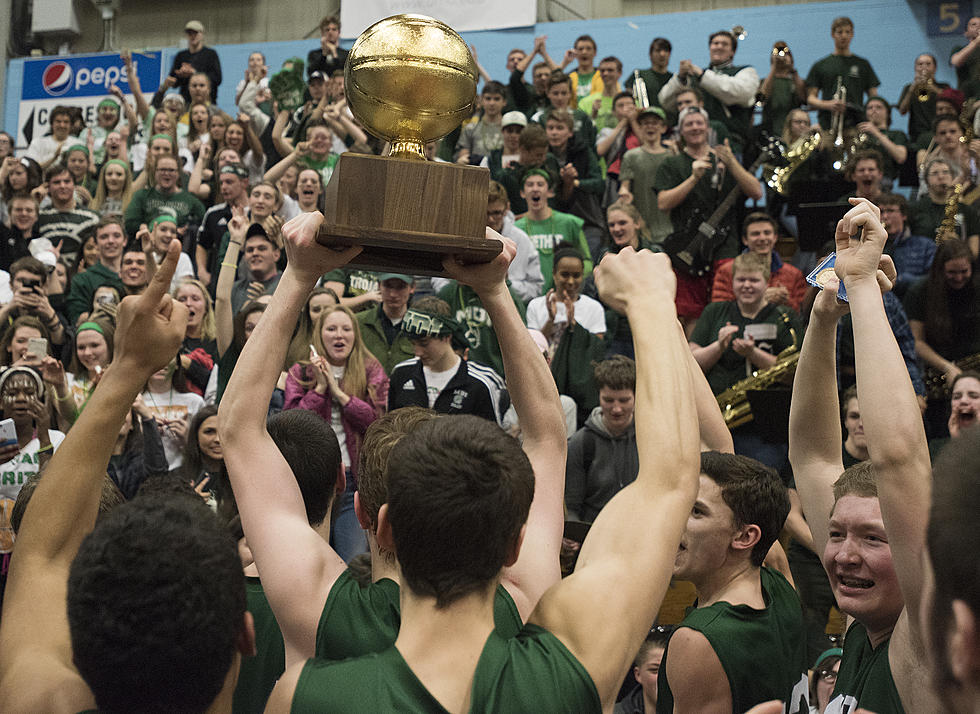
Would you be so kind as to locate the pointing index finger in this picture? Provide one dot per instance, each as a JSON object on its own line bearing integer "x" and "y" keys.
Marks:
{"x": 160, "y": 284}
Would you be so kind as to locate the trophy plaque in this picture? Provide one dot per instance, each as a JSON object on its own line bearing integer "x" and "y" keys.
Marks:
{"x": 410, "y": 80}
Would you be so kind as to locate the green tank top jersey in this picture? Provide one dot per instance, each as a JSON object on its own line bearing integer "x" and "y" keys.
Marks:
{"x": 763, "y": 652}
{"x": 357, "y": 621}
{"x": 865, "y": 677}
{"x": 258, "y": 674}
{"x": 532, "y": 672}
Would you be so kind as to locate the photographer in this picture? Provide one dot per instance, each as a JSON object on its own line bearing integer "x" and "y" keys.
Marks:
{"x": 110, "y": 240}
{"x": 28, "y": 279}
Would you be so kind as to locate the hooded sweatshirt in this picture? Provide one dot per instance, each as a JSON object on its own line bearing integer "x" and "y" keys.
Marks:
{"x": 599, "y": 465}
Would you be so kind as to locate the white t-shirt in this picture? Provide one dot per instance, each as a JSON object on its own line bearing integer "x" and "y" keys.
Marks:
{"x": 171, "y": 406}
{"x": 589, "y": 314}
{"x": 13, "y": 474}
{"x": 435, "y": 382}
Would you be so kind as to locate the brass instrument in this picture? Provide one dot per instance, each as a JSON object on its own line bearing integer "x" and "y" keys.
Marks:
{"x": 739, "y": 32}
{"x": 925, "y": 89}
{"x": 837, "y": 126}
{"x": 734, "y": 402}
{"x": 780, "y": 49}
{"x": 948, "y": 225}
{"x": 802, "y": 148}
{"x": 640, "y": 96}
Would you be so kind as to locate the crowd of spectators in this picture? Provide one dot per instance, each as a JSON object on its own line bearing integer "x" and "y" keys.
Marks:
{"x": 170, "y": 331}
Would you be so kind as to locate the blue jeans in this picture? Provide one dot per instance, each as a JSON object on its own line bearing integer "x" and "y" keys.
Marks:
{"x": 346, "y": 535}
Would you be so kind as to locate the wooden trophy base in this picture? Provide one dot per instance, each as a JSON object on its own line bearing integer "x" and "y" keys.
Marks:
{"x": 408, "y": 215}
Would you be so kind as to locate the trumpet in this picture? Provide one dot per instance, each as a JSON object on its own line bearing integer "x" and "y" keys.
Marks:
{"x": 781, "y": 49}
{"x": 640, "y": 97}
{"x": 925, "y": 89}
{"x": 739, "y": 32}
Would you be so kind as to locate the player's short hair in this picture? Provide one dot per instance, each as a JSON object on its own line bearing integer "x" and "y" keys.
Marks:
{"x": 660, "y": 43}
{"x": 156, "y": 604}
{"x": 558, "y": 77}
{"x": 379, "y": 439}
{"x": 310, "y": 447}
{"x": 857, "y": 480}
{"x": 328, "y": 21}
{"x": 561, "y": 115}
{"x": 585, "y": 38}
{"x": 755, "y": 494}
{"x": 459, "y": 492}
{"x": 56, "y": 169}
{"x": 842, "y": 21}
{"x": 615, "y": 60}
{"x": 493, "y": 87}
{"x": 617, "y": 372}
{"x": 759, "y": 217}
{"x": 724, "y": 33}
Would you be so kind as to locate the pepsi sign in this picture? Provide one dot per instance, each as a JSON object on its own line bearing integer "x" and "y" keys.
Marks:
{"x": 87, "y": 75}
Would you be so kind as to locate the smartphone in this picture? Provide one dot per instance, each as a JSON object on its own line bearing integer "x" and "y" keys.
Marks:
{"x": 32, "y": 284}
{"x": 37, "y": 347}
{"x": 8, "y": 433}
{"x": 313, "y": 352}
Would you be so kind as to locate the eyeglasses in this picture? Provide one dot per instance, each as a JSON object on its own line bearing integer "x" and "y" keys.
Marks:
{"x": 827, "y": 675}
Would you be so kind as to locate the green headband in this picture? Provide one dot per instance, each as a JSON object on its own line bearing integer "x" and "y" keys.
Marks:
{"x": 118, "y": 162}
{"x": 537, "y": 172}
{"x": 109, "y": 102}
{"x": 94, "y": 326}
{"x": 418, "y": 323}
{"x": 161, "y": 136}
{"x": 162, "y": 218}
{"x": 77, "y": 147}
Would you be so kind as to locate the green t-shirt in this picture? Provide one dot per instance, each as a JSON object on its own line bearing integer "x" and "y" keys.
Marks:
{"x": 865, "y": 677}
{"x": 259, "y": 673}
{"x": 532, "y": 671}
{"x": 782, "y": 100}
{"x": 763, "y": 652}
{"x": 605, "y": 118}
{"x": 970, "y": 70}
{"x": 357, "y": 621}
{"x": 147, "y": 202}
{"x": 584, "y": 87}
{"x": 546, "y": 234}
{"x": 324, "y": 167}
{"x": 921, "y": 114}
{"x": 890, "y": 168}
{"x": 770, "y": 328}
{"x": 469, "y": 312}
{"x": 857, "y": 77}
{"x": 640, "y": 167}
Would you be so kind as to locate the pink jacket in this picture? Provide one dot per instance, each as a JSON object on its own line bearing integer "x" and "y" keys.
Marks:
{"x": 355, "y": 417}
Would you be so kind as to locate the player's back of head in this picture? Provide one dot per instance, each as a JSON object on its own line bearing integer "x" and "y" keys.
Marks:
{"x": 754, "y": 492}
{"x": 459, "y": 492}
{"x": 311, "y": 449}
{"x": 156, "y": 605}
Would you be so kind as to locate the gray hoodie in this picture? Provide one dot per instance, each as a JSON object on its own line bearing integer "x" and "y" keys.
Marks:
{"x": 599, "y": 465}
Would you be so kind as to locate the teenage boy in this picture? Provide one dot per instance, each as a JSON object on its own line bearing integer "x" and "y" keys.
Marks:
{"x": 508, "y": 155}
{"x": 532, "y": 147}
{"x": 560, "y": 96}
{"x": 585, "y": 79}
{"x": 841, "y": 66}
{"x": 599, "y": 105}
{"x": 657, "y": 75}
{"x": 47, "y": 149}
{"x": 66, "y": 224}
{"x": 546, "y": 227}
{"x": 110, "y": 240}
{"x": 639, "y": 169}
{"x": 437, "y": 378}
{"x": 581, "y": 179}
{"x": 480, "y": 137}
{"x": 380, "y": 326}
{"x": 261, "y": 256}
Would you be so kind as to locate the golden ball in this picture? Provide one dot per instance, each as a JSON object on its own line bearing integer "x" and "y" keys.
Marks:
{"x": 410, "y": 78}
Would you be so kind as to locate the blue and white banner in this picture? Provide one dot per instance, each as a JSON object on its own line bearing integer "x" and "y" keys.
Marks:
{"x": 78, "y": 81}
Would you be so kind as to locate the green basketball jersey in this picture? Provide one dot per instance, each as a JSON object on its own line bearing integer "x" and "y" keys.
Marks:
{"x": 357, "y": 621}
{"x": 865, "y": 677}
{"x": 532, "y": 672}
{"x": 259, "y": 673}
{"x": 763, "y": 652}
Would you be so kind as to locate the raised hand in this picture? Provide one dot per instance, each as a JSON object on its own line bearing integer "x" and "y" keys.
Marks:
{"x": 484, "y": 277}
{"x": 630, "y": 277}
{"x": 725, "y": 335}
{"x": 306, "y": 258}
{"x": 860, "y": 239}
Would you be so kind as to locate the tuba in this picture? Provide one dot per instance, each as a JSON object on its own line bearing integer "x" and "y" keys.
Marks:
{"x": 640, "y": 96}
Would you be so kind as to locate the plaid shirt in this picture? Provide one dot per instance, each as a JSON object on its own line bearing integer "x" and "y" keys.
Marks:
{"x": 912, "y": 256}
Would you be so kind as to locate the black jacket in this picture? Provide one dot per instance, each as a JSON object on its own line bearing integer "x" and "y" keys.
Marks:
{"x": 474, "y": 389}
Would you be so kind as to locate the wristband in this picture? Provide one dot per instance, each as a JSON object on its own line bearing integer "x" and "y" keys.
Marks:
{"x": 228, "y": 265}
{"x": 235, "y": 243}
{"x": 49, "y": 447}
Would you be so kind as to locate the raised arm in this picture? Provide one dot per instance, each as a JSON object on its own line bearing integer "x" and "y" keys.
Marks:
{"x": 298, "y": 567}
{"x": 36, "y": 668}
{"x": 224, "y": 316}
{"x": 142, "y": 108}
{"x": 814, "y": 416}
{"x": 535, "y": 398}
{"x": 896, "y": 438}
{"x": 628, "y": 556}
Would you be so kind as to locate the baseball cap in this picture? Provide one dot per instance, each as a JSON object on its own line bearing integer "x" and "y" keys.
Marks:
{"x": 511, "y": 118}
{"x": 407, "y": 279}
{"x": 317, "y": 75}
{"x": 656, "y": 111}
{"x": 194, "y": 26}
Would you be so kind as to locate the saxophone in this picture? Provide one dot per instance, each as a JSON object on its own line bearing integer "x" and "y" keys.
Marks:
{"x": 734, "y": 401}
{"x": 778, "y": 178}
{"x": 947, "y": 227}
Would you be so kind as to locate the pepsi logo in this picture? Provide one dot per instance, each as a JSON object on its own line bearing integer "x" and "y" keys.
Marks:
{"x": 56, "y": 79}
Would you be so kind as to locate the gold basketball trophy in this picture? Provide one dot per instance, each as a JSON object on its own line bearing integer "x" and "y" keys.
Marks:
{"x": 409, "y": 79}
